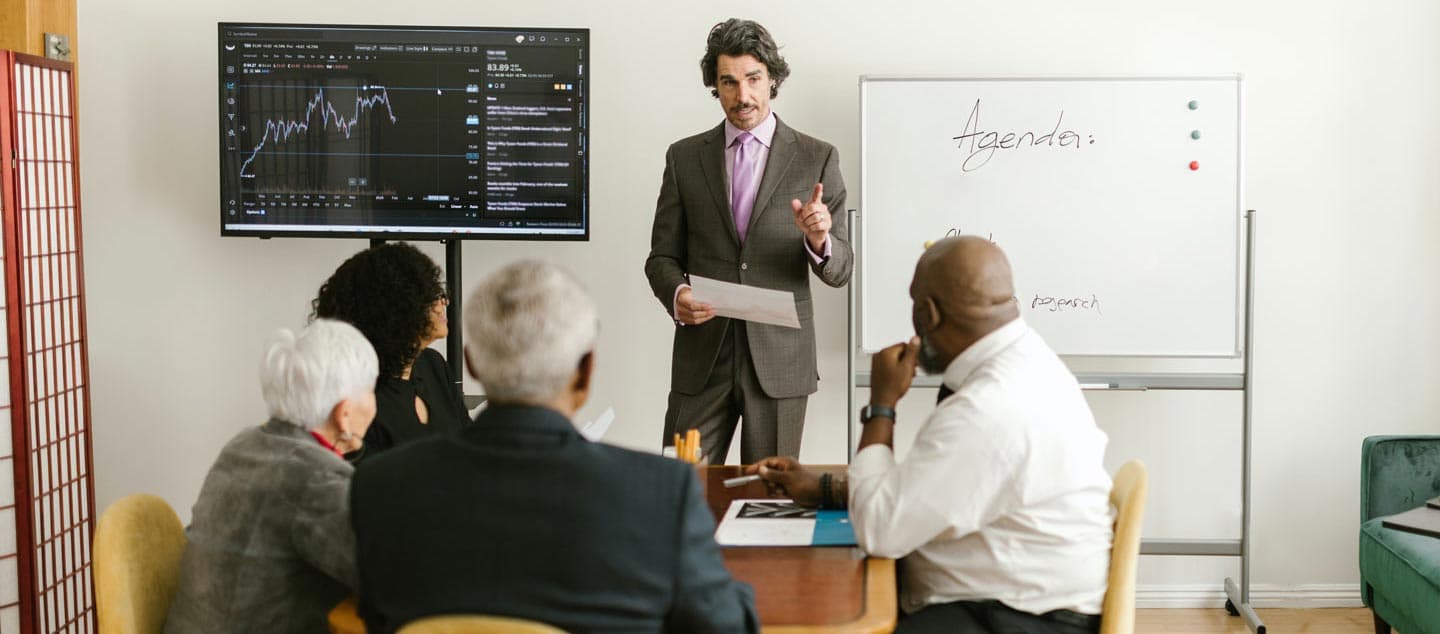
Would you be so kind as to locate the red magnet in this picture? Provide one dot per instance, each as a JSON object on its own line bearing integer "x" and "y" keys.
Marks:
{"x": 1194, "y": 165}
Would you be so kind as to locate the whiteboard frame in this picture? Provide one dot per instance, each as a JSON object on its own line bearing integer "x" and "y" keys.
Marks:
{"x": 1237, "y": 348}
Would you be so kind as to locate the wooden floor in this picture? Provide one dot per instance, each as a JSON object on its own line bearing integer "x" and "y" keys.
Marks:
{"x": 1184, "y": 621}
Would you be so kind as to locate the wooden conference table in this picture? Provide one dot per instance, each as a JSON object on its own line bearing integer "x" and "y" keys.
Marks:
{"x": 797, "y": 590}
{"x": 806, "y": 590}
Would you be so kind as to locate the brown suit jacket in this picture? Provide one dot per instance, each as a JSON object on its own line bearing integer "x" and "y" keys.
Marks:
{"x": 694, "y": 233}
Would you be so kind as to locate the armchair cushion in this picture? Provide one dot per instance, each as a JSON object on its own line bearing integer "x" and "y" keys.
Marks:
{"x": 1403, "y": 569}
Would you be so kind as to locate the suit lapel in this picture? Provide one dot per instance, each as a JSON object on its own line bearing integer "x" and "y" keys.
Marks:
{"x": 782, "y": 151}
{"x": 712, "y": 162}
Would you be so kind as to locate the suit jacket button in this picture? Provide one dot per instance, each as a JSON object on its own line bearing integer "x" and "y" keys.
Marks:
{"x": 744, "y": 266}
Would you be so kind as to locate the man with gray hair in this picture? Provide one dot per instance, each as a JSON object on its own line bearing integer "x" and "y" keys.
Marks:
{"x": 521, "y": 516}
{"x": 750, "y": 201}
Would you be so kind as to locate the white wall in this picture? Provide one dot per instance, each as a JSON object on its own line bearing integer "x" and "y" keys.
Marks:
{"x": 1342, "y": 161}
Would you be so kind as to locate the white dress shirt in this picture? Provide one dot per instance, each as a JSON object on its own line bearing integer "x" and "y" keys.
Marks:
{"x": 1003, "y": 495}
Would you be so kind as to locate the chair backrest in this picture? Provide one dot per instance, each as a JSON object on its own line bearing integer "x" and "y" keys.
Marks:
{"x": 1397, "y": 473}
{"x": 1127, "y": 495}
{"x": 138, "y": 543}
{"x": 476, "y": 624}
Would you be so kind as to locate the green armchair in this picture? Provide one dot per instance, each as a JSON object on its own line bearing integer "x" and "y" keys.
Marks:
{"x": 1399, "y": 571}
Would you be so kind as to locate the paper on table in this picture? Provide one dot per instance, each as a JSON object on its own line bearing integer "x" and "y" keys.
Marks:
{"x": 594, "y": 430}
{"x": 737, "y": 301}
{"x": 763, "y": 531}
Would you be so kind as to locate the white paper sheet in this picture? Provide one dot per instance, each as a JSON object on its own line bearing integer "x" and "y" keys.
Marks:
{"x": 753, "y": 531}
{"x": 737, "y": 301}
{"x": 595, "y": 430}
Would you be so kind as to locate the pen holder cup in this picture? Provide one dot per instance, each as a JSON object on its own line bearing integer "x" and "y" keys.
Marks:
{"x": 669, "y": 452}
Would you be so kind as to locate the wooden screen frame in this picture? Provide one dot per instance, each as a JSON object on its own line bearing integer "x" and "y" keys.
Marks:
{"x": 21, "y": 335}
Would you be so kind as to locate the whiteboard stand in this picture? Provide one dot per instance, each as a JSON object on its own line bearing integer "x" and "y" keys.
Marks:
{"x": 851, "y": 347}
{"x": 1237, "y": 601}
{"x": 1237, "y": 595}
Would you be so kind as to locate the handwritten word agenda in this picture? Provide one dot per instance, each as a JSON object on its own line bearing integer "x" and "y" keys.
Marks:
{"x": 984, "y": 143}
{"x": 1058, "y": 304}
{"x": 956, "y": 231}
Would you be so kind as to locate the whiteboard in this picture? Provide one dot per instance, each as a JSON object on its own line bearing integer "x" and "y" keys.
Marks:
{"x": 1118, "y": 246}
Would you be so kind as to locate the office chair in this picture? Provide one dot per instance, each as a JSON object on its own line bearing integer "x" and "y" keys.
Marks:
{"x": 1127, "y": 494}
{"x": 476, "y": 624}
{"x": 138, "y": 543}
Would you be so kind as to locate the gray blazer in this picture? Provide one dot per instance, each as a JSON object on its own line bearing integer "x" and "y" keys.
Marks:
{"x": 694, "y": 233}
{"x": 270, "y": 544}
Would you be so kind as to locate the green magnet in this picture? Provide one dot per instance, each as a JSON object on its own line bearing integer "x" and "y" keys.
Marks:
{"x": 1194, "y": 134}
{"x": 1194, "y": 105}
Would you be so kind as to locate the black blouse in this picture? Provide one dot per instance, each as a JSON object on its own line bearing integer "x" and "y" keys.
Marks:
{"x": 395, "y": 420}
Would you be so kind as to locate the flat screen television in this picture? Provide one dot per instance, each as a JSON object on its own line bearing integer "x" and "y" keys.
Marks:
{"x": 404, "y": 132}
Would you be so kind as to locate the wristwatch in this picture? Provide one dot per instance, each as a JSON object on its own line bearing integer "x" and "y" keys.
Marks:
{"x": 875, "y": 411}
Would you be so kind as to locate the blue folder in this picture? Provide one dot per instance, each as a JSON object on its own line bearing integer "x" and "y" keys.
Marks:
{"x": 832, "y": 528}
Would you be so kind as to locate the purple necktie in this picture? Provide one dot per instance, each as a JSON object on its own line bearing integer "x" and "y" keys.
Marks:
{"x": 742, "y": 183}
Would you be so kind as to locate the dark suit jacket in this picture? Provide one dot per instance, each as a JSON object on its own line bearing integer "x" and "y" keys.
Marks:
{"x": 694, "y": 233}
{"x": 518, "y": 515}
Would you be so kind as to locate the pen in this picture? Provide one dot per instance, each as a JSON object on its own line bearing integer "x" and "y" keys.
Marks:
{"x": 731, "y": 483}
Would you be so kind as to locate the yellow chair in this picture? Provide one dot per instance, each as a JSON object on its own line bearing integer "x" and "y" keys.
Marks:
{"x": 138, "y": 544}
{"x": 476, "y": 624}
{"x": 1128, "y": 496}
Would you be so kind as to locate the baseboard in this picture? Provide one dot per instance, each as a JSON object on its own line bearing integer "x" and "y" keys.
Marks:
{"x": 1336, "y": 595}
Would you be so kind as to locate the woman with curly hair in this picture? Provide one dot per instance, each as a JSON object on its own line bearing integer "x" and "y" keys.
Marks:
{"x": 392, "y": 293}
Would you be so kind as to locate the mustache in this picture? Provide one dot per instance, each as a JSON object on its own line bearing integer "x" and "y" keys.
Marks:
{"x": 741, "y": 106}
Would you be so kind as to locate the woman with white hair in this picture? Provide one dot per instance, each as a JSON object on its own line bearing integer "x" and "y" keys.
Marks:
{"x": 270, "y": 544}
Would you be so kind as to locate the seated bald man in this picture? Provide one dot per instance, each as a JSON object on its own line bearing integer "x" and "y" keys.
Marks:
{"x": 1001, "y": 509}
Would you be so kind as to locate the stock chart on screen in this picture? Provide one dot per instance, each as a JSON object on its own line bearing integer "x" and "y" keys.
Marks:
{"x": 441, "y": 132}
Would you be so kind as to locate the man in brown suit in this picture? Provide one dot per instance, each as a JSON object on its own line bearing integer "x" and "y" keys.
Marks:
{"x": 750, "y": 201}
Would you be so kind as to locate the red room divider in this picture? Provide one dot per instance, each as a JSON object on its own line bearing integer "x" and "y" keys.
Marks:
{"x": 49, "y": 509}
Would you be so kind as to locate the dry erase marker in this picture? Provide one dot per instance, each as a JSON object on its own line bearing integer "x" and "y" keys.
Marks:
{"x": 731, "y": 483}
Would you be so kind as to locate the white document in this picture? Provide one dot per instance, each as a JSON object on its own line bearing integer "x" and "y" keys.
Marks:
{"x": 594, "y": 430}
{"x": 780, "y": 527}
{"x": 737, "y": 301}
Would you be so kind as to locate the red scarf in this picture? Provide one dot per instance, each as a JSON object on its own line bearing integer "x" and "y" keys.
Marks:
{"x": 325, "y": 443}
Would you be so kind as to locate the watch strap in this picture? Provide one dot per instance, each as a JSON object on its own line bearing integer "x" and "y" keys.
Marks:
{"x": 876, "y": 411}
